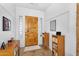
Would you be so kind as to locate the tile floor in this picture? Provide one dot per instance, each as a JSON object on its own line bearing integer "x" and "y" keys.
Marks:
{"x": 38, "y": 52}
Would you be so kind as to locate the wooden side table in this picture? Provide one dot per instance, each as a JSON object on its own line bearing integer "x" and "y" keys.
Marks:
{"x": 10, "y": 48}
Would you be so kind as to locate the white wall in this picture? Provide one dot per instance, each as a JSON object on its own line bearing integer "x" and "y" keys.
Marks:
{"x": 29, "y": 12}
{"x": 72, "y": 28}
{"x": 64, "y": 23}
{"x": 56, "y": 9}
{"x": 6, "y": 35}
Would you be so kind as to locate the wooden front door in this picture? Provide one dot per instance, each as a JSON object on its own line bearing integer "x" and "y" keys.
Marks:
{"x": 31, "y": 30}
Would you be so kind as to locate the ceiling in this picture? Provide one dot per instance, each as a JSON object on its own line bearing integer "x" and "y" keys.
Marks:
{"x": 38, "y": 6}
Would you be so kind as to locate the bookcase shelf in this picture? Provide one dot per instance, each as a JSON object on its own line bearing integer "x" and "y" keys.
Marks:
{"x": 58, "y": 45}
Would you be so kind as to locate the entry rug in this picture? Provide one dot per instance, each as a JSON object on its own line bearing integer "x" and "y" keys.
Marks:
{"x": 30, "y": 48}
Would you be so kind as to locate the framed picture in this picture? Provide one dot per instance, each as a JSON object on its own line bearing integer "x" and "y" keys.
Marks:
{"x": 6, "y": 24}
{"x": 53, "y": 25}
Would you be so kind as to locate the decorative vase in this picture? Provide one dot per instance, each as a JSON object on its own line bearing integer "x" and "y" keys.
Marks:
{"x": 3, "y": 45}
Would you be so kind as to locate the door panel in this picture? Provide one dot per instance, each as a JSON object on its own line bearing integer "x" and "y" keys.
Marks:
{"x": 31, "y": 30}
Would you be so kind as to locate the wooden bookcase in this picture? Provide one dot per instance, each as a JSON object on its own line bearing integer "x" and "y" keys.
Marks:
{"x": 58, "y": 45}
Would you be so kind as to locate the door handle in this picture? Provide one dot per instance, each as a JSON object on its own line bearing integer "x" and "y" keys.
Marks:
{"x": 40, "y": 35}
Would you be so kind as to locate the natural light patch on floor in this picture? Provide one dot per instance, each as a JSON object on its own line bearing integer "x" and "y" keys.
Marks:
{"x": 30, "y": 48}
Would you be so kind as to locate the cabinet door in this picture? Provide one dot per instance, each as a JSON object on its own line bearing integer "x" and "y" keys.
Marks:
{"x": 46, "y": 40}
{"x": 61, "y": 45}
